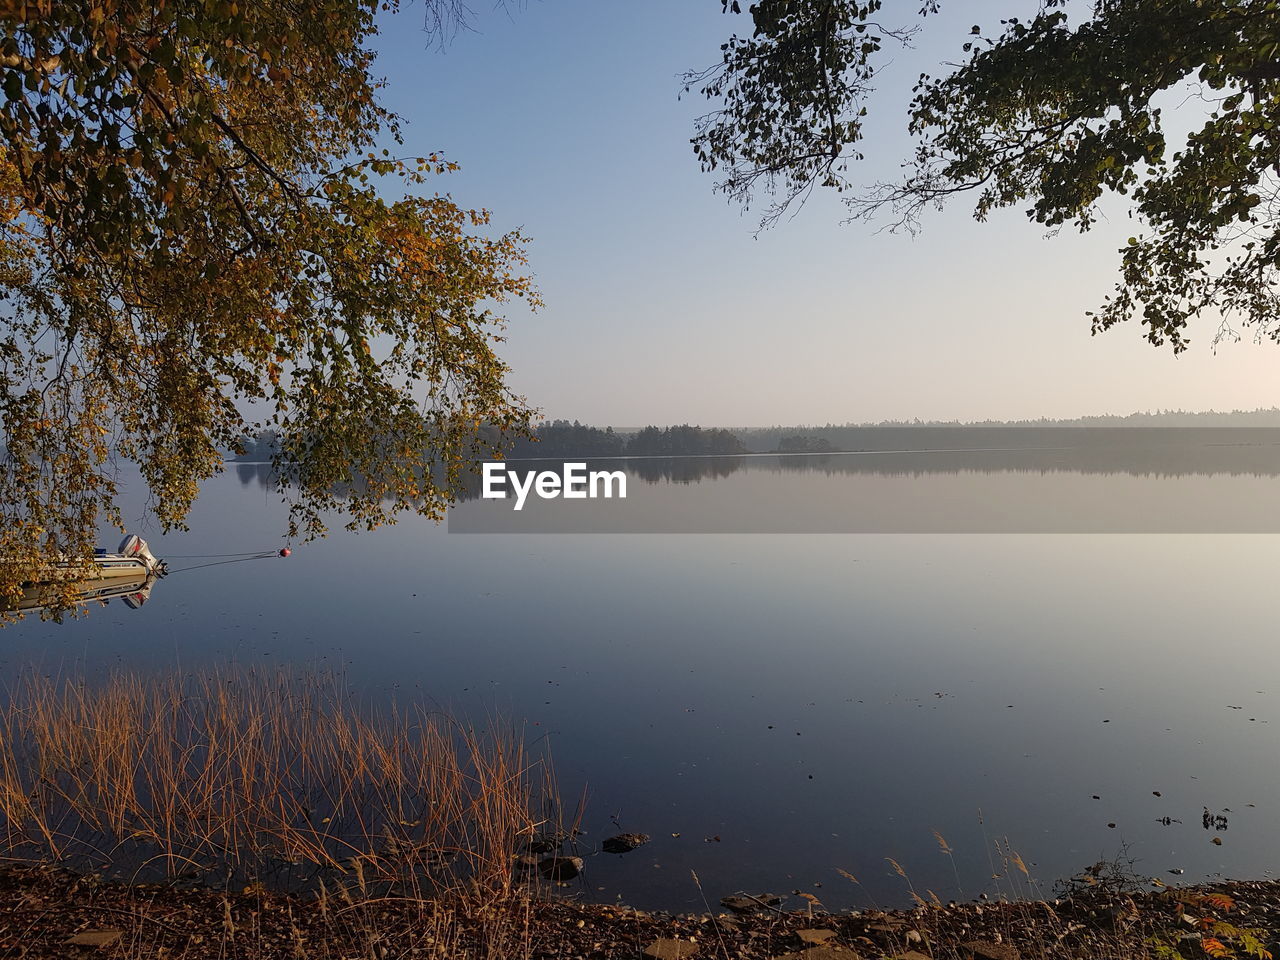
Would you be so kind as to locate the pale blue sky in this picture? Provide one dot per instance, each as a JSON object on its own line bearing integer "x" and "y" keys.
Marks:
{"x": 662, "y": 306}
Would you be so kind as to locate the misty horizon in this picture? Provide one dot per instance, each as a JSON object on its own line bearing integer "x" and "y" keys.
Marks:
{"x": 1259, "y": 417}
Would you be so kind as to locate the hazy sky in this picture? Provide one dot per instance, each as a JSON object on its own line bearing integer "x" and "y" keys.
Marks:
{"x": 661, "y": 304}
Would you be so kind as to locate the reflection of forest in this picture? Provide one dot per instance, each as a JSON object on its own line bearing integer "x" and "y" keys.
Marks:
{"x": 1227, "y": 452}
{"x": 261, "y": 473}
{"x": 682, "y": 469}
{"x": 1141, "y": 461}
{"x": 646, "y": 469}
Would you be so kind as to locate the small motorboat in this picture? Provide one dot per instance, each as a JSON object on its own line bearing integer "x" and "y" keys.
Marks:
{"x": 129, "y": 573}
{"x": 131, "y": 558}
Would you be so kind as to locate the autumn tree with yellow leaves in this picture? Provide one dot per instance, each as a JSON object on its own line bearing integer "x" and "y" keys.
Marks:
{"x": 197, "y": 242}
{"x": 1050, "y": 107}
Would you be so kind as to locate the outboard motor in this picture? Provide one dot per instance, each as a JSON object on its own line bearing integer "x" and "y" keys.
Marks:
{"x": 136, "y": 599}
{"x": 134, "y": 546}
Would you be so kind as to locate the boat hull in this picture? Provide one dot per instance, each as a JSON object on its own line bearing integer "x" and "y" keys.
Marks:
{"x": 119, "y": 582}
{"x": 128, "y": 573}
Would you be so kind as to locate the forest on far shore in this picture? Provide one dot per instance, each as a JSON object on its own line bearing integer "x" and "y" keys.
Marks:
{"x": 564, "y": 438}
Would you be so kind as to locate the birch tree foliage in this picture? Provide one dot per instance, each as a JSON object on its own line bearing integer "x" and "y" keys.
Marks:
{"x": 1049, "y": 112}
{"x": 199, "y": 239}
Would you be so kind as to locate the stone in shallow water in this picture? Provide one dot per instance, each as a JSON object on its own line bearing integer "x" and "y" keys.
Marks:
{"x": 545, "y": 843}
{"x": 561, "y": 868}
{"x": 665, "y": 949}
{"x": 624, "y": 842}
{"x": 525, "y": 863}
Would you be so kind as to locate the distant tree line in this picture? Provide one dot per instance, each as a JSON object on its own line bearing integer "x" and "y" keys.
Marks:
{"x": 563, "y": 438}
{"x": 684, "y": 440}
{"x": 913, "y": 434}
{"x": 560, "y": 438}
{"x": 557, "y": 439}
{"x": 261, "y": 448}
{"x": 804, "y": 443}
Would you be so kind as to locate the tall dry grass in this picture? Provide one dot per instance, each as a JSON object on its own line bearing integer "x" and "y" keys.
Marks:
{"x": 248, "y": 778}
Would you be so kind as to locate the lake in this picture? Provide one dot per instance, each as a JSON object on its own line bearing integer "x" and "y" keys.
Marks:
{"x": 808, "y": 664}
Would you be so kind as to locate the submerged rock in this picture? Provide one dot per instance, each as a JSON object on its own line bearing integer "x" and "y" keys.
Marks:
{"x": 624, "y": 842}
{"x": 546, "y": 843}
{"x": 525, "y": 864}
{"x": 560, "y": 868}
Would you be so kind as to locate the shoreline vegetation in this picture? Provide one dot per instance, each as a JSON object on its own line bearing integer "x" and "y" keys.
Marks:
{"x": 564, "y": 438}
{"x": 256, "y": 815}
{"x": 244, "y": 779}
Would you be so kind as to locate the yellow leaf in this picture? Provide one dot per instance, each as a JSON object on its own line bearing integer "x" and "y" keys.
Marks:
{"x": 1221, "y": 901}
{"x": 1214, "y": 947}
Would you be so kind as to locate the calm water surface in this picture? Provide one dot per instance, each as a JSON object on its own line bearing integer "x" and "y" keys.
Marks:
{"x": 775, "y": 708}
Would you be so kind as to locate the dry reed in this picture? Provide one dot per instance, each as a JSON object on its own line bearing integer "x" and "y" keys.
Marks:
{"x": 244, "y": 778}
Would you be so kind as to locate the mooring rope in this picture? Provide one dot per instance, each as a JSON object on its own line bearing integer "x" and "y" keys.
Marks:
{"x": 238, "y": 558}
{"x": 215, "y": 556}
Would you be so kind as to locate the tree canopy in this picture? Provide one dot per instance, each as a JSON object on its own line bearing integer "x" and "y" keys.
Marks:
{"x": 1050, "y": 112}
{"x": 198, "y": 241}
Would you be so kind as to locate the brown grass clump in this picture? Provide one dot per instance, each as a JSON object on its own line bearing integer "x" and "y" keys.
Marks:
{"x": 245, "y": 778}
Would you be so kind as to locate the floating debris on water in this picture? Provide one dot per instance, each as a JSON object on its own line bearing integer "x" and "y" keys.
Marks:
{"x": 1214, "y": 821}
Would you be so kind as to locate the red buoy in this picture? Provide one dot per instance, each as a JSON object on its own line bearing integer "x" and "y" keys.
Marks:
{"x": 285, "y": 551}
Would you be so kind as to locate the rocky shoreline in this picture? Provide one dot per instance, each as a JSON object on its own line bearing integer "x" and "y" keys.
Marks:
{"x": 48, "y": 912}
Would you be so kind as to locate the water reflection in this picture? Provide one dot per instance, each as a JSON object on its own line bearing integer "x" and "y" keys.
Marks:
{"x": 261, "y": 474}
{"x": 817, "y": 702}
{"x": 1114, "y": 490}
{"x": 1128, "y": 481}
{"x": 1133, "y": 452}
{"x": 133, "y": 591}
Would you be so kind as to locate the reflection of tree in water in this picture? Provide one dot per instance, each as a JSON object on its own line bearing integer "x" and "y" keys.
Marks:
{"x": 647, "y": 469}
{"x": 682, "y": 469}
{"x": 263, "y": 473}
